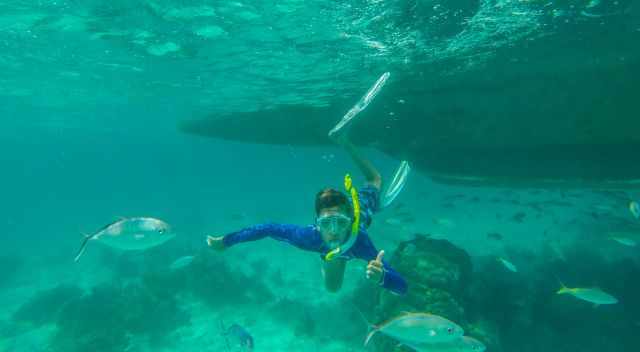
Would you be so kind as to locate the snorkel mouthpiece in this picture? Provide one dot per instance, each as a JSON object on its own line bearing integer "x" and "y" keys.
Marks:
{"x": 348, "y": 185}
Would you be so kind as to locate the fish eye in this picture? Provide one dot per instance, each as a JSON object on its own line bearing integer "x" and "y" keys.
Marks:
{"x": 161, "y": 231}
{"x": 450, "y": 330}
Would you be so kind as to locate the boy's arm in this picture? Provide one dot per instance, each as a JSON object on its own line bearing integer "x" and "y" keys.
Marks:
{"x": 299, "y": 236}
{"x": 393, "y": 281}
{"x": 389, "y": 278}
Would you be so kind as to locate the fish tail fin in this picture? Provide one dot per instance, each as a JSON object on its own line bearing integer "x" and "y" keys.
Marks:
{"x": 563, "y": 289}
{"x": 225, "y": 334}
{"x": 82, "y": 247}
{"x": 364, "y": 319}
{"x": 370, "y": 335}
{"x": 372, "y": 328}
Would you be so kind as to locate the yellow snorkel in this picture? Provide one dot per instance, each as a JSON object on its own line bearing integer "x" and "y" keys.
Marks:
{"x": 355, "y": 226}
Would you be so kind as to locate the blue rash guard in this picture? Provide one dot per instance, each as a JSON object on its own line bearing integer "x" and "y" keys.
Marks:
{"x": 308, "y": 238}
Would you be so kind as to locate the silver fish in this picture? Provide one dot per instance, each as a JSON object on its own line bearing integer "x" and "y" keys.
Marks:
{"x": 629, "y": 242}
{"x": 593, "y": 295}
{"x": 182, "y": 262}
{"x": 130, "y": 234}
{"x": 238, "y": 335}
{"x": 462, "y": 344}
{"x": 634, "y": 208}
{"x": 507, "y": 264}
{"x": 418, "y": 328}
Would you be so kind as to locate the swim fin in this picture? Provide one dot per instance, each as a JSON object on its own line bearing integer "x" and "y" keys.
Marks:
{"x": 360, "y": 105}
{"x": 397, "y": 184}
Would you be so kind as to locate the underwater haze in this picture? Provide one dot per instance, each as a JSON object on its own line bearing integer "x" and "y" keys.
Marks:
{"x": 519, "y": 220}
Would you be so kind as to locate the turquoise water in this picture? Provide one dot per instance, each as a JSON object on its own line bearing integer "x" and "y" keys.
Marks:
{"x": 93, "y": 95}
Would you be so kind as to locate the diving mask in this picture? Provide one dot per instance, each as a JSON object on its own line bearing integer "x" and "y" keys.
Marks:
{"x": 334, "y": 223}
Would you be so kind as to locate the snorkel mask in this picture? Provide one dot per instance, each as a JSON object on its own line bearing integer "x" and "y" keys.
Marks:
{"x": 334, "y": 223}
{"x": 337, "y": 221}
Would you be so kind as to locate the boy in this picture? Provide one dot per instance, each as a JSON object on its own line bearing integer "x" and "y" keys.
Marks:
{"x": 334, "y": 232}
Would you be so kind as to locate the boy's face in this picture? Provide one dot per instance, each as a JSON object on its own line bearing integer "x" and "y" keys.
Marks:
{"x": 334, "y": 225}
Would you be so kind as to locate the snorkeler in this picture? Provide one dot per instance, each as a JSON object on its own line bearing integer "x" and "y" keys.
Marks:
{"x": 340, "y": 231}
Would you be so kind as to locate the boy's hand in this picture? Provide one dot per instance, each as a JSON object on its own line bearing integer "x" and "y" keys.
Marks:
{"x": 215, "y": 243}
{"x": 375, "y": 270}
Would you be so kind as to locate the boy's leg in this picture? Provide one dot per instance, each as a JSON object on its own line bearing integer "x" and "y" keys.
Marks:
{"x": 371, "y": 174}
{"x": 333, "y": 273}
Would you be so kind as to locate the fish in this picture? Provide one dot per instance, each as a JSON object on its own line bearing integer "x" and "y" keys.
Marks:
{"x": 462, "y": 344}
{"x": 557, "y": 203}
{"x": 399, "y": 206}
{"x": 494, "y": 236}
{"x": 586, "y": 13}
{"x": 418, "y": 328}
{"x": 535, "y": 206}
{"x": 127, "y": 234}
{"x": 604, "y": 208}
{"x": 625, "y": 241}
{"x": 593, "y": 295}
{"x": 393, "y": 221}
{"x": 181, "y": 262}
{"x": 452, "y": 197}
{"x": 507, "y": 264}
{"x": 238, "y": 335}
{"x": 399, "y": 219}
{"x": 557, "y": 250}
{"x": 444, "y": 222}
{"x": 594, "y": 215}
{"x": 238, "y": 216}
{"x": 518, "y": 217}
{"x": 634, "y": 208}
{"x": 592, "y": 4}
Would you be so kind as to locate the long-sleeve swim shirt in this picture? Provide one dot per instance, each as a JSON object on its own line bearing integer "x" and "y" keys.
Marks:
{"x": 308, "y": 238}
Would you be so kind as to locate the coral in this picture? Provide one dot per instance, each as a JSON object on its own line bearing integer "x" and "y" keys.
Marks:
{"x": 44, "y": 306}
{"x": 297, "y": 314}
{"x": 212, "y": 280}
{"x": 437, "y": 273}
{"x": 317, "y": 320}
{"x": 433, "y": 263}
{"x": 105, "y": 319}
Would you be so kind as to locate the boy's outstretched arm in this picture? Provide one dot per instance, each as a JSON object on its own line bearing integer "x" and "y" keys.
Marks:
{"x": 299, "y": 236}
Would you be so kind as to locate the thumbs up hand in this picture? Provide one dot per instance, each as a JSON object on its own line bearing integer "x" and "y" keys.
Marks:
{"x": 375, "y": 269}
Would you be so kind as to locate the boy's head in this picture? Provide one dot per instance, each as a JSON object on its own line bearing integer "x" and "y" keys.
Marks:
{"x": 334, "y": 216}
